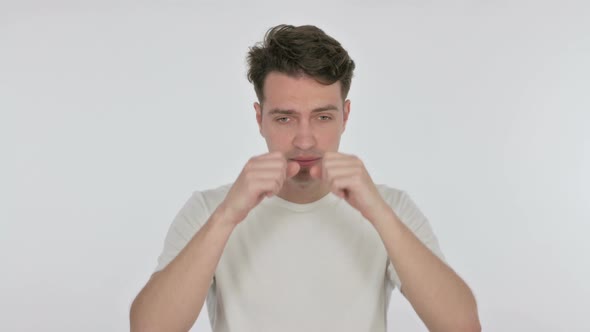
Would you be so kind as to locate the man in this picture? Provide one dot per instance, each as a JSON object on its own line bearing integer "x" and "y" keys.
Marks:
{"x": 303, "y": 240}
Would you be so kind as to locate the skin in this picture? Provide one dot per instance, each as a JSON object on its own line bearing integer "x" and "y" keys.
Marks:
{"x": 302, "y": 118}
{"x": 438, "y": 295}
{"x": 295, "y": 122}
{"x": 304, "y": 132}
{"x": 173, "y": 298}
{"x": 308, "y": 133}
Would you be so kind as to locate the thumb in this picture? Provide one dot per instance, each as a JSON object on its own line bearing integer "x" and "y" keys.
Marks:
{"x": 316, "y": 171}
{"x": 292, "y": 168}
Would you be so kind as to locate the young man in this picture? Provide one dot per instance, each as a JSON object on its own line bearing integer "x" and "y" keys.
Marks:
{"x": 303, "y": 240}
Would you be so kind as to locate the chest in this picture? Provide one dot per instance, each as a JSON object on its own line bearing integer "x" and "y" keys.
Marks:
{"x": 276, "y": 258}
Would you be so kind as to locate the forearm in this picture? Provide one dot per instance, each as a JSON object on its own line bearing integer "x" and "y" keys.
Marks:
{"x": 173, "y": 298}
{"x": 439, "y": 296}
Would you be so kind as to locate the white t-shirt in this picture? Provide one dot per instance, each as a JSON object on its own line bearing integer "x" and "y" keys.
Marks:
{"x": 299, "y": 267}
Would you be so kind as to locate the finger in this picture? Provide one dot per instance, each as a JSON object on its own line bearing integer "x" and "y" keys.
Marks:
{"x": 267, "y": 187}
{"x": 269, "y": 165}
{"x": 343, "y": 162}
{"x": 270, "y": 155}
{"x": 343, "y": 193}
{"x": 341, "y": 186}
{"x": 331, "y": 155}
{"x": 316, "y": 171}
{"x": 331, "y": 160}
{"x": 268, "y": 158}
{"x": 341, "y": 172}
{"x": 276, "y": 176}
{"x": 292, "y": 168}
{"x": 345, "y": 174}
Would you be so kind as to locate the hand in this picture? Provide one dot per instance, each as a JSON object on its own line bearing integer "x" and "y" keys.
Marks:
{"x": 347, "y": 177}
{"x": 263, "y": 176}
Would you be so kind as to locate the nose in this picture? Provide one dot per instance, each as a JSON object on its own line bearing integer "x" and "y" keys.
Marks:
{"x": 304, "y": 138}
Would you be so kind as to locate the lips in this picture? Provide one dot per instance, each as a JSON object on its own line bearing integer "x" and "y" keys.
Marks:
{"x": 306, "y": 161}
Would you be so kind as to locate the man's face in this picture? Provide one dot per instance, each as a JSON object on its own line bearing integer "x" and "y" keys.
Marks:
{"x": 302, "y": 119}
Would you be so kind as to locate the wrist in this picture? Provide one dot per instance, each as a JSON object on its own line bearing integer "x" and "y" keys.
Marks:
{"x": 378, "y": 212}
{"x": 225, "y": 216}
{"x": 383, "y": 218}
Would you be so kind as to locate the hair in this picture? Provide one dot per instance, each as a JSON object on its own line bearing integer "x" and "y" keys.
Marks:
{"x": 296, "y": 51}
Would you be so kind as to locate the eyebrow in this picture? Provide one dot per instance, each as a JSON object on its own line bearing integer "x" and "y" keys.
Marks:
{"x": 329, "y": 107}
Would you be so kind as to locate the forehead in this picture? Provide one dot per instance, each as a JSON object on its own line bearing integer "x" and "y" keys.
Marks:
{"x": 302, "y": 93}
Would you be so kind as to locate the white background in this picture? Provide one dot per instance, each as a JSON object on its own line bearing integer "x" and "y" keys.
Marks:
{"x": 113, "y": 112}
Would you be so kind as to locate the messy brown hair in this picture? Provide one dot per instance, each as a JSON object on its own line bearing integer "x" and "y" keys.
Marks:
{"x": 296, "y": 51}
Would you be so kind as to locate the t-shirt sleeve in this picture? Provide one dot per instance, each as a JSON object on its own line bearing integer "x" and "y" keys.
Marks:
{"x": 191, "y": 217}
{"x": 413, "y": 218}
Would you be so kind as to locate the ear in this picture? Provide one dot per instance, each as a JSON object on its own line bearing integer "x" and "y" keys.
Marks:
{"x": 346, "y": 111}
{"x": 258, "y": 109}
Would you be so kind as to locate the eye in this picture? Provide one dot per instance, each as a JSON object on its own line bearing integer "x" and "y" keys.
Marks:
{"x": 282, "y": 119}
{"x": 325, "y": 117}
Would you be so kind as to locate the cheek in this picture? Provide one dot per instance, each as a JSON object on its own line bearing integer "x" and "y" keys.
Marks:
{"x": 278, "y": 137}
{"x": 330, "y": 137}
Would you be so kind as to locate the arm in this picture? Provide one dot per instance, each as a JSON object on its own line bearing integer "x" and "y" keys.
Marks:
{"x": 441, "y": 299}
{"x": 174, "y": 296}
{"x": 437, "y": 294}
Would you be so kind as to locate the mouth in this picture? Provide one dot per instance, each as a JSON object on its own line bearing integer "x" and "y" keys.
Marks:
{"x": 306, "y": 162}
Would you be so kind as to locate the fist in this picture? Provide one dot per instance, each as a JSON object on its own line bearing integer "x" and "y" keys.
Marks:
{"x": 347, "y": 177}
{"x": 262, "y": 176}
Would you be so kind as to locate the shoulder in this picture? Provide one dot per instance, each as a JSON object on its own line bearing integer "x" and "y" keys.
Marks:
{"x": 393, "y": 196}
{"x": 399, "y": 200}
{"x": 211, "y": 198}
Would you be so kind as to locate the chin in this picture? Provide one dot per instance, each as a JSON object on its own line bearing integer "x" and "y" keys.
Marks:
{"x": 303, "y": 177}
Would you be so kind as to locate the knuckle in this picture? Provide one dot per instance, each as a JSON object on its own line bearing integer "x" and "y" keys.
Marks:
{"x": 249, "y": 176}
{"x": 333, "y": 180}
{"x": 274, "y": 154}
{"x": 336, "y": 182}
